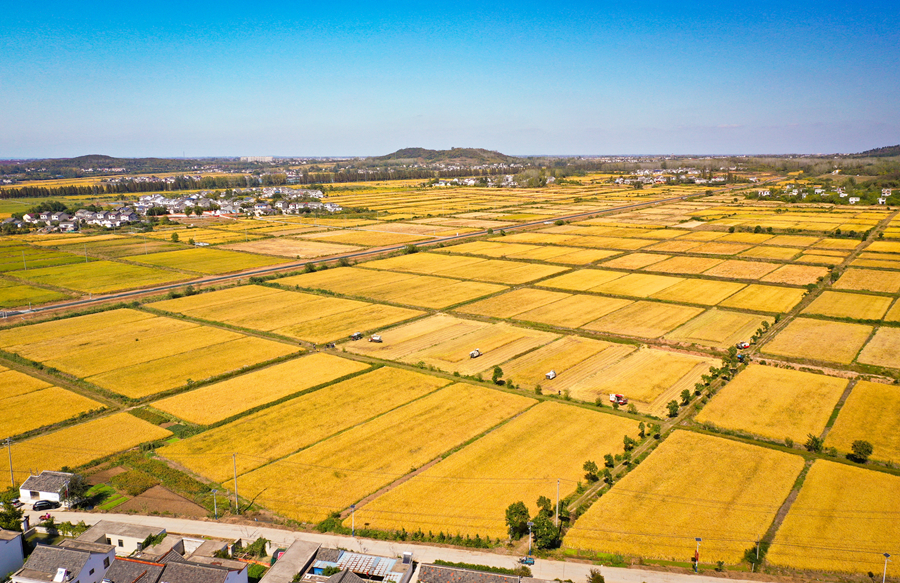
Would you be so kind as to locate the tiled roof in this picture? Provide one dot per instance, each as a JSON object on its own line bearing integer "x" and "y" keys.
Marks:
{"x": 176, "y": 572}
{"x": 47, "y": 482}
{"x": 133, "y": 571}
{"x": 345, "y": 576}
{"x": 438, "y": 574}
{"x": 47, "y": 559}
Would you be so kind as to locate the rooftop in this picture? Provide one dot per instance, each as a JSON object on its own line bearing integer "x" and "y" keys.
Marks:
{"x": 45, "y": 560}
{"x": 295, "y": 559}
{"x": 81, "y": 545}
{"x": 192, "y": 573}
{"x": 8, "y": 534}
{"x": 47, "y": 482}
{"x": 105, "y": 528}
{"x": 134, "y": 571}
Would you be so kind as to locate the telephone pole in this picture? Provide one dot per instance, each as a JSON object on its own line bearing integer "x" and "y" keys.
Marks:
{"x": 557, "y": 503}
{"x": 237, "y": 508}
{"x": 12, "y": 480}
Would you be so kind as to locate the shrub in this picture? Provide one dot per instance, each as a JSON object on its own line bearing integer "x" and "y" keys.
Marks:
{"x": 133, "y": 482}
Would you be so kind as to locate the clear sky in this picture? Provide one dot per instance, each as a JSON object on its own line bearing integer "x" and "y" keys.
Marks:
{"x": 339, "y": 78}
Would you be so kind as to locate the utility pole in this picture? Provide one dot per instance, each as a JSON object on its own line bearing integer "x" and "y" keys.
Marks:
{"x": 697, "y": 556}
{"x": 886, "y": 557}
{"x": 25, "y": 265}
{"x": 530, "y": 524}
{"x": 353, "y": 520}
{"x": 215, "y": 505}
{"x": 237, "y": 507}
{"x": 557, "y": 502}
{"x": 12, "y": 480}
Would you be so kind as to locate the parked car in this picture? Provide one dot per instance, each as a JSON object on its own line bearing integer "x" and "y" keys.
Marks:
{"x": 45, "y": 505}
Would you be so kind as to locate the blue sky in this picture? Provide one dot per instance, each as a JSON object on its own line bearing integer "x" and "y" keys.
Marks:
{"x": 319, "y": 79}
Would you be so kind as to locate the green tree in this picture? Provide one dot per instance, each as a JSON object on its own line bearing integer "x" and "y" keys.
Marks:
{"x": 628, "y": 443}
{"x": 813, "y": 443}
{"x": 685, "y": 397}
{"x": 595, "y": 577}
{"x": 517, "y": 518}
{"x": 607, "y": 476}
{"x": 608, "y": 461}
{"x": 673, "y": 408}
{"x": 590, "y": 471}
{"x": 642, "y": 430}
{"x": 861, "y": 451}
{"x": 497, "y": 376}
{"x": 174, "y": 237}
{"x": 546, "y": 535}
{"x": 545, "y": 506}
{"x": 10, "y": 516}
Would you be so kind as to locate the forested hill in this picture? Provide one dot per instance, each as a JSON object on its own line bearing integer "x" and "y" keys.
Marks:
{"x": 467, "y": 156}
{"x": 884, "y": 152}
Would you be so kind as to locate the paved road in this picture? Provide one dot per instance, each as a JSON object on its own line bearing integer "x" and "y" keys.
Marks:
{"x": 542, "y": 569}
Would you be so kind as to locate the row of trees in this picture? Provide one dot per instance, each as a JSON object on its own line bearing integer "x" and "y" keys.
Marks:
{"x": 546, "y": 534}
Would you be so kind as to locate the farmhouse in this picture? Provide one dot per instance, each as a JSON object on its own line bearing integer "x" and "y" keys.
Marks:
{"x": 362, "y": 567}
{"x": 70, "y": 562}
{"x": 46, "y": 486}
{"x": 12, "y": 553}
{"x": 296, "y": 559}
{"x": 126, "y": 538}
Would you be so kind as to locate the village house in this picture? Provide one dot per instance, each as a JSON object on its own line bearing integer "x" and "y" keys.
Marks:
{"x": 52, "y": 486}
{"x": 125, "y": 537}
{"x": 71, "y": 561}
{"x": 12, "y": 553}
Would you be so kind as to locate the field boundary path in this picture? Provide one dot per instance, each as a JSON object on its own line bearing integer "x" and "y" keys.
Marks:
{"x": 422, "y": 553}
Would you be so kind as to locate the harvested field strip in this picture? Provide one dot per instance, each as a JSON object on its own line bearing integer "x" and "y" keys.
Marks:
{"x": 718, "y": 328}
{"x": 211, "y": 403}
{"x": 684, "y": 265}
{"x": 637, "y": 285}
{"x": 583, "y": 280}
{"x": 869, "y": 408}
{"x": 765, "y": 298}
{"x": 819, "y": 340}
{"x": 728, "y": 495}
{"x": 882, "y": 349}
{"x": 468, "y": 491}
{"x": 737, "y": 269}
{"x": 869, "y": 280}
{"x": 573, "y": 311}
{"x": 77, "y": 445}
{"x": 847, "y": 305}
{"x": 560, "y": 356}
{"x": 139, "y": 380}
{"x": 267, "y": 435}
{"x": 699, "y": 291}
{"x": 849, "y": 511}
{"x": 644, "y": 319}
{"x": 635, "y": 260}
{"x": 775, "y": 403}
{"x": 336, "y": 326}
{"x": 419, "y": 335}
{"x": 796, "y": 274}
{"x": 336, "y": 472}
{"x": 511, "y": 303}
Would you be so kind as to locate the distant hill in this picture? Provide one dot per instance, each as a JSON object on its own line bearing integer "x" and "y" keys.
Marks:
{"x": 884, "y": 152}
{"x": 459, "y": 155}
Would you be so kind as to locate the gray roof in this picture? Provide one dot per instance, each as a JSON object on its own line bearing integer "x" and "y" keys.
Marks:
{"x": 47, "y": 559}
{"x": 132, "y": 571}
{"x": 217, "y": 562}
{"x": 47, "y": 482}
{"x": 81, "y": 545}
{"x": 192, "y": 573}
{"x": 209, "y": 548}
{"x": 330, "y": 555}
{"x": 8, "y": 534}
{"x": 105, "y": 528}
{"x": 439, "y": 574}
{"x": 295, "y": 559}
{"x": 345, "y": 576}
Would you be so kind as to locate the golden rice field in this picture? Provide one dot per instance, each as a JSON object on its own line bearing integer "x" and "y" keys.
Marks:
{"x": 765, "y": 298}
{"x": 583, "y": 279}
{"x": 509, "y": 304}
{"x": 637, "y": 285}
{"x": 288, "y": 313}
{"x": 718, "y": 328}
{"x": 205, "y": 260}
{"x": 98, "y": 276}
{"x": 644, "y": 319}
{"x": 837, "y": 342}
{"x": 136, "y": 354}
{"x": 14, "y": 295}
{"x": 682, "y": 265}
{"x": 693, "y": 485}
{"x": 796, "y": 274}
{"x": 649, "y": 378}
{"x": 767, "y": 252}
{"x": 869, "y": 280}
{"x": 402, "y": 288}
{"x": 882, "y": 349}
{"x": 80, "y": 444}
{"x": 114, "y": 246}
{"x": 19, "y": 393}
{"x": 337, "y": 472}
{"x": 487, "y": 270}
{"x": 275, "y": 432}
{"x": 365, "y": 238}
{"x": 573, "y": 358}
{"x": 868, "y": 414}
{"x": 705, "y": 292}
{"x": 738, "y": 269}
{"x": 215, "y": 402}
{"x": 775, "y": 403}
{"x": 843, "y": 520}
{"x": 211, "y": 236}
{"x": 849, "y": 305}
{"x": 469, "y": 491}
{"x": 573, "y": 311}
{"x": 292, "y": 247}
{"x": 635, "y": 260}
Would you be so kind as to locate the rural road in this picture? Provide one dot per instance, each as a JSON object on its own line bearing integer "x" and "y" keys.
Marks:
{"x": 542, "y": 569}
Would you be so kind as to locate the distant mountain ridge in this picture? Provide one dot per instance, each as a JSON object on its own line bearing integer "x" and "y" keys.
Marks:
{"x": 883, "y": 152}
{"x": 462, "y": 155}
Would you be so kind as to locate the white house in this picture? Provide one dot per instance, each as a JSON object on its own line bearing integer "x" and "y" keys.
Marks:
{"x": 765, "y": 193}
{"x": 46, "y": 486}
{"x": 882, "y": 200}
{"x": 854, "y": 199}
{"x": 126, "y": 538}
{"x": 12, "y": 553}
{"x": 70, "y": 562}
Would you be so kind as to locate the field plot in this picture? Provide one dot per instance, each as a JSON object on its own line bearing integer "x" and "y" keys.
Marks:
{"x": 644, "y": 319}
{"x": 684, "y": 265}
{"x": 99, "y": 276}
{"x": 210, "y": 236}
{"x": 796, "y": 274}
{"x": 365, "y": 238}
{"x": 841, "y": 244}
{"x": 511, "y": 303}
{"x": 650, "y": 378}
{"x": 17, "y": 256}
{"x": 775, "y": 403}
{"x": 137, "y": 354}
{"x": 882, "y": 349}
{"x": 489, "y": 270}
{"x": 583, "y": 279}
{"x": 728, "y": 494}
{"x": 678, "y": 246}
{"x": 14, "y": 295}
{"x": 211, "y": 403}
{"x": 77, "y": 445}
{"x": 573, "y": 311}
{"x": 699, "y": 291}
{"x": 288, "y": 313}
{"x": 869, "y": 280}
{"x": 870, "y": 413}
{"x": 637, "y": 285}
{"x": 765, "y": 298}
{"x": 885, "y": 246}
{"x": 737, "y": 269}
{"x": 851, "y": 512}
{"x": 337, "y": 472}
{"x": 847, "y": 305}
{"x": 272, "y": 433}
{"x": 574, "y": 359}
{"x": 819, "y": 340}
{"x": 114, "y": 245}
{"x": 766, "y": 252}
{"x": 718, "y": 248}
{"x": 718, "y": 328}
{"x": 19, "y": 393}
{"x": 635, "y": 260}
{"x": 204, "y": 260}
{"x": 408, "y": 289}
{"x": 793, "y": 240}
{"x": 469, "y": 491}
